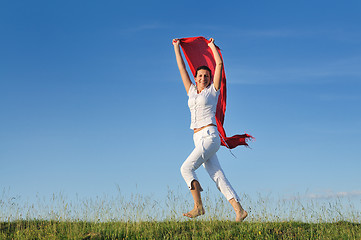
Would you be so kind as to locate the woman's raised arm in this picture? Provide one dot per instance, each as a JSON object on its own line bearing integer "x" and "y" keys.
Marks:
{"x": 182, "y": 68}
{"x": 219, "y": 65}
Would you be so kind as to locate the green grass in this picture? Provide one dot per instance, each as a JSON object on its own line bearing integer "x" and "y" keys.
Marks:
{"x": 143, "y": 217}
{"x": 178, "y": 230}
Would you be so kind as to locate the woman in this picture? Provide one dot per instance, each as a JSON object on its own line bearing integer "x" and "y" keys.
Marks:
{"x": 202, "y": 102}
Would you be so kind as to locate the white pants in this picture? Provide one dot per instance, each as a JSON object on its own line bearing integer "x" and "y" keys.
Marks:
{"x": 207, "y": 143}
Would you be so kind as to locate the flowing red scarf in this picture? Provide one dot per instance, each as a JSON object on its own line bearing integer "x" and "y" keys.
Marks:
{"x": 198, "y": 53}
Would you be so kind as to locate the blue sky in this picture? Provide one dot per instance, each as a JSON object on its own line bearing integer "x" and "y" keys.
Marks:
{"x": 91, "y": 97}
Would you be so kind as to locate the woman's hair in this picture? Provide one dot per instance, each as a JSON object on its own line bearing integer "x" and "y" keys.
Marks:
{"x": 203, "y": 68}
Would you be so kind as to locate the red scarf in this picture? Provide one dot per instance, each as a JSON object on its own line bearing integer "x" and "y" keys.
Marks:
{"x": 198, "y": 53}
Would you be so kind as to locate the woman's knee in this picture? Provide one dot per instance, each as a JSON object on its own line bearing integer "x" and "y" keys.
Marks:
{"x": 184, "y": 169}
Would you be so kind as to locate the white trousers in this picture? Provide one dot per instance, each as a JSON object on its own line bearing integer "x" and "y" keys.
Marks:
{"x": 207, "y": 143}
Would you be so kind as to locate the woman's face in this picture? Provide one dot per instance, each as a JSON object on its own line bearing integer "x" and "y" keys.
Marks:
{"x": 203, "y": 79}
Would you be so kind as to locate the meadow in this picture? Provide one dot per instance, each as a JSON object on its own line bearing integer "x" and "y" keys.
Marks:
{"x": 145, "y": 217}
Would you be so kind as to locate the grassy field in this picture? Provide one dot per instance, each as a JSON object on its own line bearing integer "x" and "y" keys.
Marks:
{"x": 143, "y": 217}
{"x": 178, "y": 230}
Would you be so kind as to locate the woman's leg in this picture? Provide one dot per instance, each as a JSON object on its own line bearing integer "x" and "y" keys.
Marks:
{"x": 193, "y": 162}
{"x": 241, "y": 214}
{"x": 205, "y": 147}
{"x": 216, "y": 173}
{"x": 198, "y": 205}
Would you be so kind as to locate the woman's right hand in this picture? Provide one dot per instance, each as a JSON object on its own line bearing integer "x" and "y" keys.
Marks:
{"x": 175, "y": 42}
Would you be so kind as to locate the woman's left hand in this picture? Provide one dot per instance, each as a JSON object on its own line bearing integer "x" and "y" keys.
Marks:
{"x": 211, "y": 41}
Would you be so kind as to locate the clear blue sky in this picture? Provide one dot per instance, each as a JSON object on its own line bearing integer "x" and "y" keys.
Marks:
{"x": 91, "y": 97}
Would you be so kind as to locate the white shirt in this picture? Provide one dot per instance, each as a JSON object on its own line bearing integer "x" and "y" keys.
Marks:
{"x": 202, "y": 105}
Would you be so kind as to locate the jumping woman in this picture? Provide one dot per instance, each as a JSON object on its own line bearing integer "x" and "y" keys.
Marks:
{"x": 202, "y": 102}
